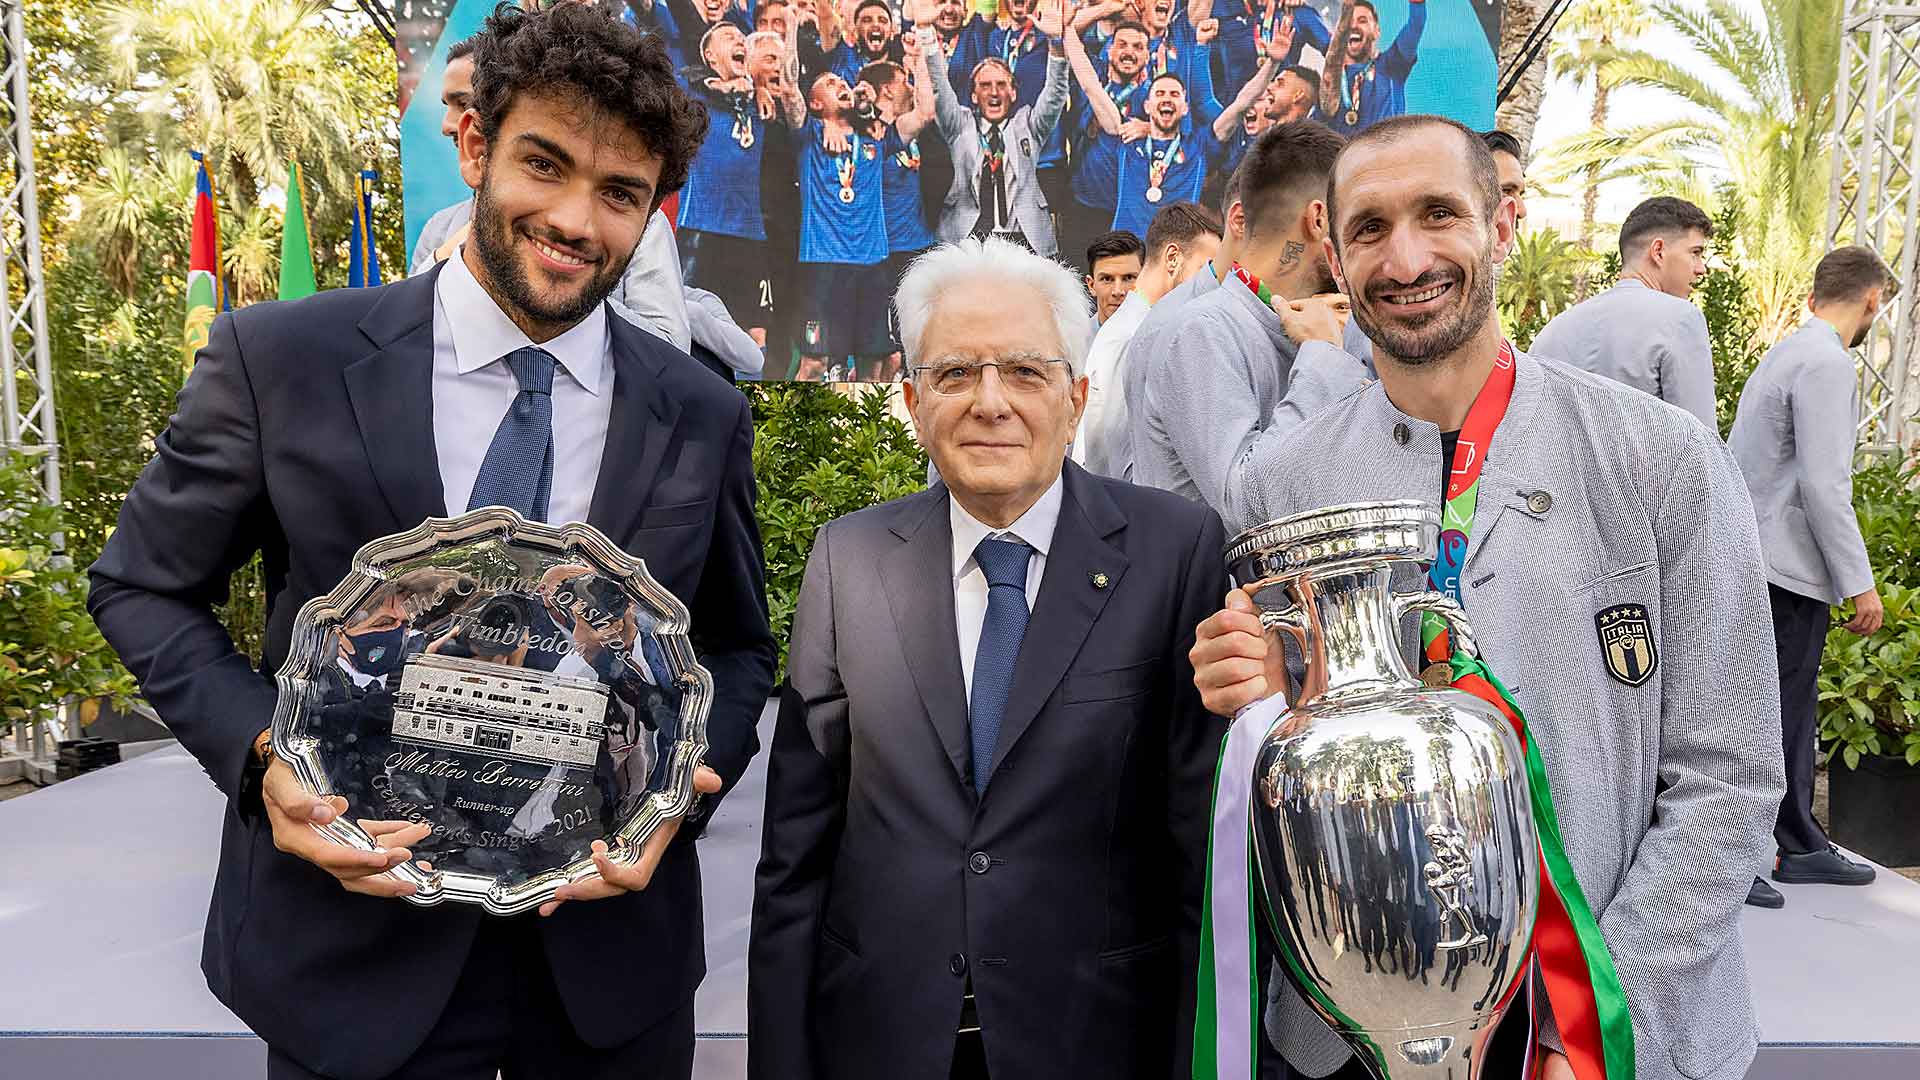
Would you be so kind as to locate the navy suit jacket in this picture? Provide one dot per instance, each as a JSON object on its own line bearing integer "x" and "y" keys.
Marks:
{"x": 1070, "y": 892}
{"x": 306, "y": 430}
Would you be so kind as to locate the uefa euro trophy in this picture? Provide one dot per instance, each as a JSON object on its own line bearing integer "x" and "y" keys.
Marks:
{"x": 1392, "y": 829}
{"x": 526, "y": 689}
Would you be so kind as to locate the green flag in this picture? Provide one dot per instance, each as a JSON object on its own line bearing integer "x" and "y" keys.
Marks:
{"x": 296, "y": 245}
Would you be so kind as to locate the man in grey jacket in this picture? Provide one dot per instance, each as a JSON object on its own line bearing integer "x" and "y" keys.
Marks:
{"x": 1793, "y": 436}
{"x": 1239, "y": 370}
{"x": 996, "y": 143}
{"x": 1644, "y": 331}
{"x": 1598, "y": 507}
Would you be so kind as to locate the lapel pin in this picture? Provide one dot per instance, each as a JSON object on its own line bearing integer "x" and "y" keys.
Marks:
{"x": 1099, "y": 579}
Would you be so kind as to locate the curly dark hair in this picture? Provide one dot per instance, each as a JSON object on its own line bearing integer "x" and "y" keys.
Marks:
{"x": 583, "y": 51}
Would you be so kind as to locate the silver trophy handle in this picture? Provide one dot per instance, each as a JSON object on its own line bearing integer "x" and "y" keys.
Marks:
{"x": 1447, "y": 608}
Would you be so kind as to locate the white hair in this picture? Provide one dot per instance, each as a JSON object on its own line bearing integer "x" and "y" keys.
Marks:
{"x": 948, "y": 267}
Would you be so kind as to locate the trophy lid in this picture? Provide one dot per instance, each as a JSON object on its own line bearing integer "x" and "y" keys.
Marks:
{"x": 1370, "y": 531}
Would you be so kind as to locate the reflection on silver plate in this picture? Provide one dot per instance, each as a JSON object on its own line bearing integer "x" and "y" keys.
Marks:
{"x": 526, "y": 689}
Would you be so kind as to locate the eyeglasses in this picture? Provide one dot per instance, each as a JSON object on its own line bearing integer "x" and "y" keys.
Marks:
{"x": 1021, "y": 375}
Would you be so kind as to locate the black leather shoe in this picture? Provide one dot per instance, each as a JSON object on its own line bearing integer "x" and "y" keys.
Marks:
{"x": 1827, "y": 867}
{"x": 1765, "y": 895}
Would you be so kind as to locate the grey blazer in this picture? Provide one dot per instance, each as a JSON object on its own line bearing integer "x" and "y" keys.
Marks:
{"x": 1666, "y": 790}
{"x": 1224, "y": 381}
{"x": 1025, "y": 133}
{"x": 1793, "y": 436}
{"x": 649, "y": 297}
{"x": 1645, "y": 338}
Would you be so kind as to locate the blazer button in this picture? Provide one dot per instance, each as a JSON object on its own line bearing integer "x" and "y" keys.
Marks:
{"x": 1539, "y": 502}
{"x": 957, "y": 964}
{"x": 978, "y": 862}
{"x": 1401, "y": 434}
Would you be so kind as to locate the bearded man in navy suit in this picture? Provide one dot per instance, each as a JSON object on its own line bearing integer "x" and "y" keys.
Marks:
{"x": 310, "y": 428}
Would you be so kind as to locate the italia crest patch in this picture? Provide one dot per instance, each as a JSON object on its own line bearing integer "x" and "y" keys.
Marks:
{"x": 1626, "y": 643}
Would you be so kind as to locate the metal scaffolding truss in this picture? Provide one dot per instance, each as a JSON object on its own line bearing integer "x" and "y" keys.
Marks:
{"x": 26, "y": 369}
{"x": 1876, "y": 200}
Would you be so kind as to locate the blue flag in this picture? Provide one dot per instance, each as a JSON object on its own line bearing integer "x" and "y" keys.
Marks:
{"x": 363, "y": 265}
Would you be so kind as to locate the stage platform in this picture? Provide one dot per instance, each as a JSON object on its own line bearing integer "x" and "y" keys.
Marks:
{"x": 105, "y": 883}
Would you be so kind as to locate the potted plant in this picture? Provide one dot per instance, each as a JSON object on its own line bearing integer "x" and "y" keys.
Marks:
{"x": 1870, "y": 687}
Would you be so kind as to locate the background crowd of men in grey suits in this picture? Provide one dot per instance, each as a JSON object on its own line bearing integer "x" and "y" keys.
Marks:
{"x": 1202, "y": 385}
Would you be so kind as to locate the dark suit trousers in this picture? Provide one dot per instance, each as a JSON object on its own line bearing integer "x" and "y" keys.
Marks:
{"x": 506, "y": 1017}
{"x": 1799, "y": 637}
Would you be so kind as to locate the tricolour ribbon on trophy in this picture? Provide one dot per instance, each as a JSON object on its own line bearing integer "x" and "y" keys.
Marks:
{"x": 1583, "y": 987}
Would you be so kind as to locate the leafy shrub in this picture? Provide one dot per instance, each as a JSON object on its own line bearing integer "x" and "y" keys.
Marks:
{"x": 1733, "y": 320}
{"x": 1870, "y": 687}
{"x": 819, "y": 454}
{"x": 49, "y": 647}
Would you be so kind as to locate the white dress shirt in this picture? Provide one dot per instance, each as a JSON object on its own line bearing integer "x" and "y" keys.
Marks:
{"x": 1105, "y": 420}
{"x": 1034, "y": 529}
{"x": 472, "y": 388}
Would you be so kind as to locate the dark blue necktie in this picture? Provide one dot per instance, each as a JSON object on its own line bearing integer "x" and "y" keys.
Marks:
{"x": 1005, "y": 565}
{"x": 518, "y": 469}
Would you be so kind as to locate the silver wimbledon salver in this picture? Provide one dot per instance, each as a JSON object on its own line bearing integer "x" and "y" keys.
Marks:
{"x": 526, "y": 689}
{"x": 1392, "y": 828}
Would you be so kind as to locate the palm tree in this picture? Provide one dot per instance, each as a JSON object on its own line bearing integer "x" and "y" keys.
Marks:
{"x": 1587, "y": 39}
{"x": 256, "y": 83}
{"x": 1760, "y": 117}
{"x": 1537, "y": 280}
{"x": 252, "y": 255}
{"x": 120, "y": 204}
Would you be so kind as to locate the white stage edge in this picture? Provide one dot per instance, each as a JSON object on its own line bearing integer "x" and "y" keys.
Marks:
{"x": 107, "y": 878}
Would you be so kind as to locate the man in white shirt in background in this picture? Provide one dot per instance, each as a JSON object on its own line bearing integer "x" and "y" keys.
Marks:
{"x": 1179, "y": 242}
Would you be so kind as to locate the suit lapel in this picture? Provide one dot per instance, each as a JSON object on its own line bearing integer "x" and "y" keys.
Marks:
{"x": 640, "y": 427}
{"x": 1069, "y": 602}
{"x": 391, "y": 390}
{"x": 917, "y": 576}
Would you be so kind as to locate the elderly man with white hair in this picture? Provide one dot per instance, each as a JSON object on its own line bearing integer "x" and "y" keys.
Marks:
{"x": 988, "y": 787}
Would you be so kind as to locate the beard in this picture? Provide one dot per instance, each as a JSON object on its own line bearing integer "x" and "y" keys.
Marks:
{"x": 492, "y": 238}
{"x": 1438, "y": 335}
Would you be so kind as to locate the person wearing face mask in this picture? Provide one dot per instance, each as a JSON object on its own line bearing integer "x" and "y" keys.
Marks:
{"x": 1644, "y": 332}
{"x": 1793, "y": 436}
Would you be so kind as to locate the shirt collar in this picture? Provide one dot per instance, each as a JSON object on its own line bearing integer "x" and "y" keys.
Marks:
{"x": 1033, "y": 528}
{"x": 482, "y": 333}
{"x": 1817, "y": 324}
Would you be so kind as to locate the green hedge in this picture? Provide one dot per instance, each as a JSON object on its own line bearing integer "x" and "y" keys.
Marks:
{"x": 819, "y": 454}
